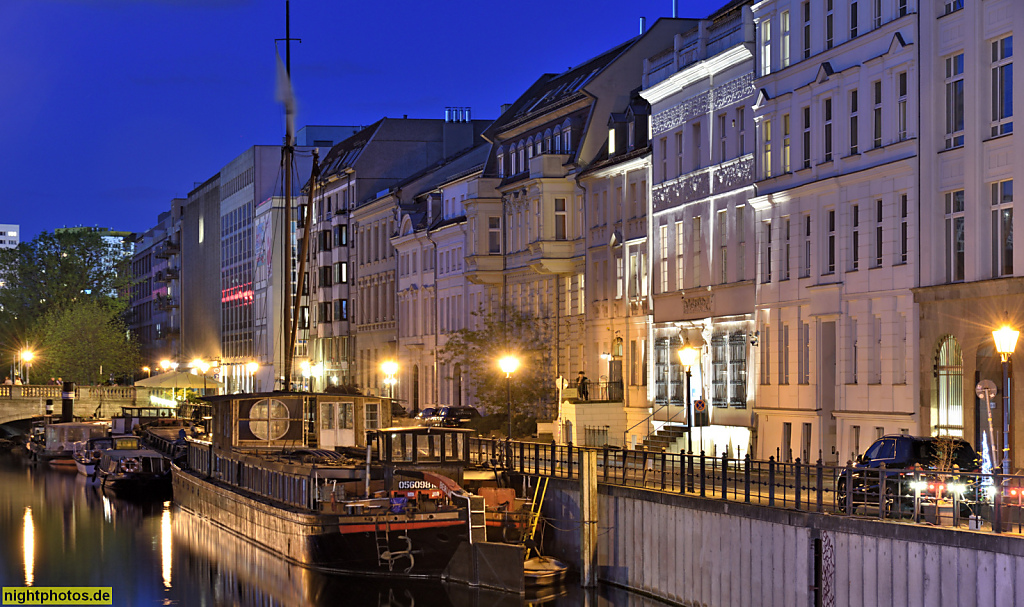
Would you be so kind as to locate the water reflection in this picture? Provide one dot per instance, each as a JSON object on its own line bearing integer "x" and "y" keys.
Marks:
{"x": 29, "y": 546}
{"x": 152, "y": 553}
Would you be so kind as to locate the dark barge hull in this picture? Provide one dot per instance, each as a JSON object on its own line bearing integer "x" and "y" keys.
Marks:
{"x": 415, "y": 545}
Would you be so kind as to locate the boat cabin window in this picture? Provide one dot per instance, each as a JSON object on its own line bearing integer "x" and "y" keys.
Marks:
{"x": 428, "y": 448}
{"x": 401, "y": 447}
{"x": 127, "y": 442}
{"x": 420, "y": 446}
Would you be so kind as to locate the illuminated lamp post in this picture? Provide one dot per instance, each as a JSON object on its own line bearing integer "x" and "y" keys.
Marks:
{"x": 149, "y": 372}
{"x": 689, "y": 356}
{"x": 26, "y": 359}
{"x": 508, "y": 365}
{"x": 251, "y": 367}
{"x": 1006, "y": 343}
{"x": 390, "y": 369}
{"x": 201, "y": 366}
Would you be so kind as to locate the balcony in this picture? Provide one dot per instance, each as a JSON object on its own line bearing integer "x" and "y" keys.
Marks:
{"x": 167, "y": 249}
{"x": 484, "y": 269}
{"x": 165, "y": 303}
{"x": 553, "y": 256}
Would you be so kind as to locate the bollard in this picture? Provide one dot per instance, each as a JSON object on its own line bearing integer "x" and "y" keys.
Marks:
{"x": 771, "y": 481}
{"x": 689, "y": 473}
{"x": 820, "y": 484}
{"x": 881, "y": 491}
{"x": 848, "y": 477}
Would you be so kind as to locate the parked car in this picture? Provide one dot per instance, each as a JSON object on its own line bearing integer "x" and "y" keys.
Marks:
{"x": 455, "y": 417}
{"x": 902, "y": 454}
{"x": 423, "y": 417}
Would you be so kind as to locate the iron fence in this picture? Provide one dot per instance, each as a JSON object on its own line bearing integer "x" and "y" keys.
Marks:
{"x": 969, "y": 500}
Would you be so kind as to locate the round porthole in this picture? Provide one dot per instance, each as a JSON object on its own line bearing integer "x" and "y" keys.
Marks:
{"x": 268, "y": 419}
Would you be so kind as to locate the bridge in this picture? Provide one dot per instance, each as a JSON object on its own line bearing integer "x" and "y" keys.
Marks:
{"x": 24, "y": 402}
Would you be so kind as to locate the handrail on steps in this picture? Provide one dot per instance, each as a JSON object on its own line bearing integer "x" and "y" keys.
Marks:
{"x": 647, "y": 420}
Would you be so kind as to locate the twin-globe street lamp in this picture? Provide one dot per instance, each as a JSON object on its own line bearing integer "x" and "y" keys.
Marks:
{"x": 508, "y": 365}
{"x": 1006, "y": 343}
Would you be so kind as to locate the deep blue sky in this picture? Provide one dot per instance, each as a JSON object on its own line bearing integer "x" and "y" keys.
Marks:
{"x": 110, "y": 108}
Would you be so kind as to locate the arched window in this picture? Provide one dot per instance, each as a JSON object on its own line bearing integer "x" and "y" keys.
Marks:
{"x": 947, "y": 415}
{"x": 529, "y": 147}
{"x": 501, "y": 161}
{"x": 547, "y": 141}
{"x": 558, "y": 140}
{"x": 566, "y": 136}
{"x": 522, "y": 157}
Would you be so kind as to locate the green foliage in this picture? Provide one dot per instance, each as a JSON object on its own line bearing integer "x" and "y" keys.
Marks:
{"x": 54, "y": 271}
{"x": 77, "y": 341}
{"x": 505, "y": 332}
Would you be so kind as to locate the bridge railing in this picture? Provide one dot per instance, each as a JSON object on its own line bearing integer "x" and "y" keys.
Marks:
{"x": 56, "y": 392}
{"x": 974, "y": 501}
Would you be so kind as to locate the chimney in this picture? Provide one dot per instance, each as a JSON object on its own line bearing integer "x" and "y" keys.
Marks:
{"x": 458, "y": 130}
{"x": 643, "y": 24}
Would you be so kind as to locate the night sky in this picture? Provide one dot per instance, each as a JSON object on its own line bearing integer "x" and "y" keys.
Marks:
{"x": 110, "y": 108}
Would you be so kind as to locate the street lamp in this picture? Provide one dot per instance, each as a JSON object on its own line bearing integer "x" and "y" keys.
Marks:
{"x": 508, "y": 365}
{"x": 203, "y": 367}
{"x": 26, "y": 359}
{"x": 149, "y": 372}
{"x": 390, "y": 369}
{"x": 252, "y": 366}
{"x": 689, "y": 356}
{"x": 1006, "y": 343}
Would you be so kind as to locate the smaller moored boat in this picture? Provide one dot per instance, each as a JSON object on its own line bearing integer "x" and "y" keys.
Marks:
{"x": 544, "y": 571}
{"x": 88, "y": 453}
{"x": 54, "y": 443}
{"x": 134, "y": 470}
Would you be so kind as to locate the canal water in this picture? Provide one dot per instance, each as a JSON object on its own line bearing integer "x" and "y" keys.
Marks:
{"x": 57, "y": 530}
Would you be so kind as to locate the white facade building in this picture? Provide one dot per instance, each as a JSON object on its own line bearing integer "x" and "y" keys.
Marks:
{"x": 9, "y": 235}
{"x": 837, "y": 142}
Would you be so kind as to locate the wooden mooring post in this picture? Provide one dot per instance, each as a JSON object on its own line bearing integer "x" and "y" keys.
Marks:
{"x": 588, "y": 514}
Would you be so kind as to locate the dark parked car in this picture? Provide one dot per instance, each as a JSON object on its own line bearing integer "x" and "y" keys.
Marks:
{"x": 423, "y": 417}
{"x": 455, "y": 417}
{"x": 902, "y": 453}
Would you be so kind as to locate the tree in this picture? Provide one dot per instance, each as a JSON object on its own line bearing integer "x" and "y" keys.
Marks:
{"x": 477, "y": 351}
{"x": 56, "y": 270}
{"x": 85, "y": 342}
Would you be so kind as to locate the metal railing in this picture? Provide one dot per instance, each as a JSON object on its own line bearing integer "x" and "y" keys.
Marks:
{"x": 961, "y": 500}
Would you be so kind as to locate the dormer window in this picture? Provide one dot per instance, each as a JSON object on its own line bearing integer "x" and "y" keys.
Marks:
{"x": 611, "y": 141}
{"x": 501, "y": 162}
{"x": 631, "y": 134}
{"x": 558, "y": 140}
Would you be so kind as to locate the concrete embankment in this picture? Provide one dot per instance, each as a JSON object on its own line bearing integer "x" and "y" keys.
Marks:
{"x": 694, "y": 551}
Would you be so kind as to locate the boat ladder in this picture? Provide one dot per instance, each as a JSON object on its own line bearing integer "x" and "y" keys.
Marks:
{"x": 382, "y": 539}
{"x": 538, "y": 500}
{"x": 477, "y": 519}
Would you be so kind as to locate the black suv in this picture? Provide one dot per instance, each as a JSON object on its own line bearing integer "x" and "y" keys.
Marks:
{"x": 901, "y": 454}
{"x": 454, "y": 417}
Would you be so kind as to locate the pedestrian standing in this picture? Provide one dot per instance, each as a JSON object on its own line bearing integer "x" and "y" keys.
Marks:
{"x": 583, "y": 387}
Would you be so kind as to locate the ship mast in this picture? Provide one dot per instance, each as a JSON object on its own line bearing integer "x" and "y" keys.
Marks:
{"x": 287, "y": 156}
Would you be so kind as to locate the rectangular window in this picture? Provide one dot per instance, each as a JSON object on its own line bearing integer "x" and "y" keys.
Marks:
{"x": 739, "y": 236}
{"x": 901, "y": 7}
{"x": 766, "y": 354}
{"x": 877, "y": 262}
{"x": 723, "y": 264}
{"x": 855, "y": 241}
{"x": 806, "y": 9}
{"x": 904, "y": 233}
{"x": 663, "y": 262}
{"x": 766, "y": 262}
{"x": 493, "y": 235}
{"x": 876, "y": 14}
{"x": 807, "y": 138}
{"x": 901, "y": 106}
{"x": 741, "y": 126}
{"x": 955, "y": 101}
{"x": 663, "y": 144}
{"x": 951, "y": 6}
{"x": 784, "y": 22}
{"x": 853, "y": 19}
{"x": 721, "y": 138}
{"x": 784, "y": 355}
{"x": 785, "y": 143}
{"x": 785, "y": 252}
{"x": 830, "y": 242}
{"x": 804, "y": 339}
{"x": 955, "y": 236}
{"x": 341, "y": 236}
{"x": 679, "y": 154}
{"x": 876, "y": 88}
{"x": 696, "y": 251}
{"x": 1002, "y": 228}
{"x": 560, "y": 231}
{"x": 766, "y": 47}
{"x": 805, "y": 261}
{"x": 828, "y": 130}
{"x": 853, "y": 122}
{"x": 766, "y": 131}
{"x": 680, "y": 256}
{"x": 620, "y": 280}
{"x": 1002, "y": 86}
{"x": 828, "y": 24}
